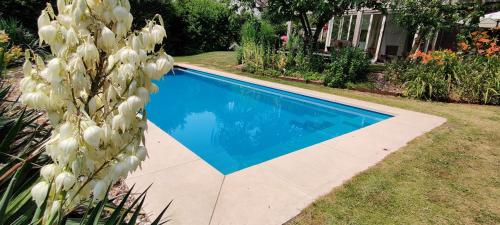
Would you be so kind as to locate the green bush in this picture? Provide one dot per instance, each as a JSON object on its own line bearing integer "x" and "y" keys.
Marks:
{"x": 395, "y": 71}
{"x": 239, "y": 55}
{"x": 26, "y": 11}
{"x": 426, "y": 82}
{"x": 193, "y": 26}
{"x": 258, "y": 31}
{"x": 19, "y": 35}
{"x": 257, "y": 43}
{"x": 313, "y": 76}
{"x": 477, "y": 80}
{"x": 348, "y": 65}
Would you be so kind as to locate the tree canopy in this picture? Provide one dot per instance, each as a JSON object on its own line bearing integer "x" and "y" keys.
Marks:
{"x": 425, "y": 16}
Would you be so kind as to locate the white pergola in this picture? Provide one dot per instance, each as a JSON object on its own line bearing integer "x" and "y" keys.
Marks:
{"x": 354, "y": 17}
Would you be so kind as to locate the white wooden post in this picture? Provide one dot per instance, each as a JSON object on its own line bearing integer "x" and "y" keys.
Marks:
{"x": 357, "y": 29}
{"x": 380, "y": 37}
{"x": 434, "y": 42}
{"x": 349, "y": 28}
{"x": 415, "y": 37}
{"x": 339, "y": 35}
{"x": 368, "y": 35}
{"x": 428, "y": 41}
{"x": 289, "y": 29}
{"x": 329, "y": 34}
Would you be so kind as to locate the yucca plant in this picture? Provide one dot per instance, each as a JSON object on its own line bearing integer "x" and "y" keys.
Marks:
{"x": 23, "y": 133}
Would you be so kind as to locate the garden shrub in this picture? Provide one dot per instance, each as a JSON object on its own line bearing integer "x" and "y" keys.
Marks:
{"x": 239, "y": 55}
{"x": 8, "y": 53}
{"x": 312, "y": 76}
{"x": 19, "y": 35}
{"x": 477, "y": 80}
{"x": 257, "y": 43}
{"x": 258, "y": 31}
{"x": 26, "y": 11}
{"x": 348, "y": 65}
{"x": 395, "y": 71}
{"x": 192, "y": 26}
{"x": 447, "y": 76}
{"x": 426, "y": 82}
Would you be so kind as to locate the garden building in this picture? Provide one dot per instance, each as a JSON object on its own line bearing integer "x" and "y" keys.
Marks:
{"x": 381, "y": 38}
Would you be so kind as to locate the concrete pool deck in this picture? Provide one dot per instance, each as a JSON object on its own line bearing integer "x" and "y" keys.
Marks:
{"x": 272, "y": 192}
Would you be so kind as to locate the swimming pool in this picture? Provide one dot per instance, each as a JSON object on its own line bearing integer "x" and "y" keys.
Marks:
{"x": 233, "y": 124}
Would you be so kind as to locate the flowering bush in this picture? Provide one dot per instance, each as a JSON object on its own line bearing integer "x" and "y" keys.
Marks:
{"x": 481, "y": 43}
{"x": 447, "y": 76}
{"x": 94, "y": 91}
{"x": 7, "y": 53}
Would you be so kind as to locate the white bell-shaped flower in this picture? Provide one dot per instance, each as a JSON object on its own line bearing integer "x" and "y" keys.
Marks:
{"x": 142, "y": 153}
{"x": 132, "y": 162}
{"x": 43, "y": 19}
{"x": 93, "y": 135}
{"x": 119, "y": 123}
{"x": 135, "y": 103}
{"x": 143, "y": 94}
{"x": 36, "y": 99}
{"x": 107, "y": 39}
{"x": 99, "y": 190}
{"x": 120, "y": 14}
{"x": 50, "y": 171}
{"x": 164, "y": 64}
{"x": 130, "y": 56}
{"x": 158, "y": 33}
{"x": 88, "y": 51}
{"x": 71, "y": 37}
{"x": 47, "y": 34}
{"x": 66, "y": 130}
{"x": 39, "y": 192}
{"x": 27, "y": 68}
{"x": 150, "y": 69}
{"x": 68, "y": 145}
{"x": 64, "y": 181}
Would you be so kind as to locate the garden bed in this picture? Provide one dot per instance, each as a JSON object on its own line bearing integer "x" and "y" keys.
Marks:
{"x": 298, "y": 79}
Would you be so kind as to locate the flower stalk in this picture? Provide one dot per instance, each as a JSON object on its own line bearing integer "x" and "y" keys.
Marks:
{"x": 94, "y": 91}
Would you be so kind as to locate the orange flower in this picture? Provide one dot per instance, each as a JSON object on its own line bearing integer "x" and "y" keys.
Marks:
{"x": 448, "y": 51}
{"x": 484, "y": 40}
{"x": 463, "y": 46}
{"x": 492, "y": 50}
{"x": 4, "y": 37}
{"x": 424, "y": 57}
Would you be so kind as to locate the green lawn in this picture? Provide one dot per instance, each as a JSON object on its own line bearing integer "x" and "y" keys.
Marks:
{"x": 450, "y": 175}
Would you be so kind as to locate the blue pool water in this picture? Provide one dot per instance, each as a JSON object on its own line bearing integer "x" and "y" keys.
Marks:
{"x": 233, "y": 125}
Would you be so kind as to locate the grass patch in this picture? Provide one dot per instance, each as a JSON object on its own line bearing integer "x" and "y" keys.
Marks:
{"x": 450, "y": 175}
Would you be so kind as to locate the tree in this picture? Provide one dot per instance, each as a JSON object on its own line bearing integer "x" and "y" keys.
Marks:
{"x": 423, "y": 17}
{"x": 314, "y": 14}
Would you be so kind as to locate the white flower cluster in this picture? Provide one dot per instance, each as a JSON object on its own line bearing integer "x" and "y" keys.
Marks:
{"x": 94, "y": 90}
